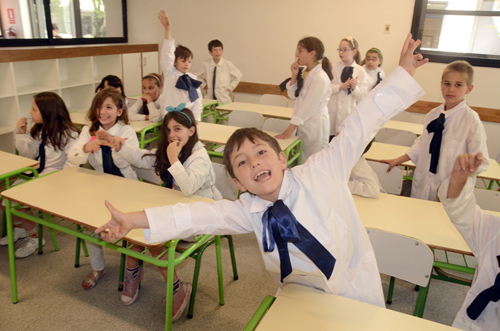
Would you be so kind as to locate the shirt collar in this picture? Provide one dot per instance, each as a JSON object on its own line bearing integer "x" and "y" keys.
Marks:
{"x": 453, "y": 110}
{"x": 212, "y": 62}
{"x": 259, "y": 205}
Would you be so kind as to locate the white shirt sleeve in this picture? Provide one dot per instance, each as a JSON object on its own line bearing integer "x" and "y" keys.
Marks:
{"x": 134, "y": 111}
{"x": 136, "y": 156}
{"x": 132, "y": 141}
{"x": 190, "y": 180}
{"x": 236, "y": 76}
{"x": 364, "y": 181}
{"x": 76, "y": 154}
{"x": 167, "y": 56}
{"x": 25, "y": 144}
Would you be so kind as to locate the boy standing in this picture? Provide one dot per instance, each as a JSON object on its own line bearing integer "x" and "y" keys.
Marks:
{"x": 220, "y": 73}
{"x": 307, "y": 212}
{"x": 481, "y": 231}
{"x": 451, "y": 129}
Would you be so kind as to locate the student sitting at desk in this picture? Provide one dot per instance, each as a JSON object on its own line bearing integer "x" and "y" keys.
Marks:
{"x": 108, "y": 112}
{"x": 182, "y": 162}
{"x": 450, "y": 130}
{"x": 363, "y": 181}
{"x": 49, "y": 140}
{"x": 481, "y": 231}
{"x": 147, "y": 108}
{"x": 307, "y": 211}
{"x": 219, "y": 76}
{"x": 179, "y": 85}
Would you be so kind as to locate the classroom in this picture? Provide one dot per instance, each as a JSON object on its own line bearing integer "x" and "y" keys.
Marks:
{"x": 260, "y": 39}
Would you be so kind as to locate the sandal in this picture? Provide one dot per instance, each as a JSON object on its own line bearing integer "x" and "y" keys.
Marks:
{"x": 91, "y": 280}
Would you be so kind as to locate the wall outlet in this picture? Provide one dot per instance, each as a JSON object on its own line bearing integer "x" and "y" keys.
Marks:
{"x": 387, "y": 28}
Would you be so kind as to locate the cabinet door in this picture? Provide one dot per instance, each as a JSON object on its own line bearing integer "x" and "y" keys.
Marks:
{"x": 150, "y": 63}
{"x": 132, "y": 74}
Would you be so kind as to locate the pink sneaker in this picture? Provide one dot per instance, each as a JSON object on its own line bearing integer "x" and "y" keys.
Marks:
{"x": 180, "y": 303}
{"x": 131, "y": 286}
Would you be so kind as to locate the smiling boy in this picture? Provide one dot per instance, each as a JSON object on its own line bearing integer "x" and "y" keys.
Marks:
{"x": 304, "y": 219}
{"x": 451, "y": 129}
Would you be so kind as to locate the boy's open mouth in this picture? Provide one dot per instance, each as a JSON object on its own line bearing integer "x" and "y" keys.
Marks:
{"x": 262, "y": 175}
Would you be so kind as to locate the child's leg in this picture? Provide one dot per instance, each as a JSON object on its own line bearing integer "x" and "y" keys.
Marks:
{"x": 96, "y": 256}
{"x": 19, "y": 231}
{"x": 133, "y": 277}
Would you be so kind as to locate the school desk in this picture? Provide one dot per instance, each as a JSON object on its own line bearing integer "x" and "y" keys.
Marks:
{"x": 219, "y": 134}
{"x": 416, "y": 128}
{"x": 302, "y": 308}
{"x": 209, "y": 107}
{"x": 140, "y": 127}
{"x": 77, "y": 195}
{"x": 265, "y": 110}
{"x": 10, "y": 166}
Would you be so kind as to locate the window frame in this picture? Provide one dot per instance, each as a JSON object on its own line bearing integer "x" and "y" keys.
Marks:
{"x": 50, "y": 41}
{"x": 417, "y": 28}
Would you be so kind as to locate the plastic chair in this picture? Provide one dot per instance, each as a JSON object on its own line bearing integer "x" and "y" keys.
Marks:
{"x": 148, "y": 175}
{"x": 275, "y": 125}
{"x": 274, "y": 100}
{"x": 487, "y": 199}
{"x": 245, "y": 119}
{"x": 395, "y": 137}
{"x": 392, "y": 182}
{"x": 224, "y": 182}
{"x": 405, "y": 258}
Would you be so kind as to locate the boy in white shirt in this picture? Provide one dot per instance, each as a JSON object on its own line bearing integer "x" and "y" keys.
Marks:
{"x": 451, "y": 129}
{"x": 227, "y": 76}
{"x": 481, "y": 231}
{"x": 307, "y": 211}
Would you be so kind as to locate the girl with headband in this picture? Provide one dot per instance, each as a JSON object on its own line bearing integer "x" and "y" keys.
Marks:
{"x": 371, "y": 64}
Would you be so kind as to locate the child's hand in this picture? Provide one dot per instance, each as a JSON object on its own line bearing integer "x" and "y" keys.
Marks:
{"x": 117, "y": 143}
{"x": 165, "y": 21}
{"x": 345, "y": 85}
{"x": 466, "y": 164}
{"x": 147, "y": 98}
{"x": 392, "y": 163}
{"x": 409, "y": 61}
{"x": 295, "y": 68}
{"x": 173, "y": 150}
{"x": 93, "y": 145}
{"x": 353, "y": 82}
{"x": 22, "y": 124}
{"x": 230, "y": 93}
{"x": 117, "y": 227}
{"x": 104, "y": 135}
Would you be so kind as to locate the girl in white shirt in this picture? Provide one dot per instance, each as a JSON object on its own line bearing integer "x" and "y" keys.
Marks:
{"x": 372, "y": 63}
{"x": 147, "y": 108}
{"x": 348, "y": 84}
{"x": 49, "y": 140}
{"x": 311, "y": 89}
{"x": 107, "y": 114}
{"x": 182, "y": 162}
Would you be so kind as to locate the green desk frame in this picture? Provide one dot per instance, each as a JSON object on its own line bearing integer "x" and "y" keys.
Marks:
{"x": 210, "y": 109}
{"x": 142, "y": 135}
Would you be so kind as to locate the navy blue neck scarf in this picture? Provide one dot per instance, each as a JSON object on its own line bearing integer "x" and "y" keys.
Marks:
{"x": 346, "y": 74}
{"x": 186, "y": 83}
{"x": 477, "y": 306}
{"x": 436, "y": 126}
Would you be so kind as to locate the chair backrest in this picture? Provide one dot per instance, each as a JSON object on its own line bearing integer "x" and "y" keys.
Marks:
{"x": 402, "y": 257}
{"x": 392, "y": 182}
{"x": 275, "y": 125}
{"x": 148, "y": 175}
{"x": 487, "y": 199}
{"x": 224, "y": 182}
{"x": 395, "y": 137}
{"x": 245, "y": 119}
{"x": 274, "y": 100}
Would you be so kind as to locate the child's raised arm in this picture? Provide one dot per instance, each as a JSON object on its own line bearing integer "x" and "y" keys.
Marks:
{"x": 165, "y": 21}
{"x": 465, "y": 165}
{"x": 121, "y": 223}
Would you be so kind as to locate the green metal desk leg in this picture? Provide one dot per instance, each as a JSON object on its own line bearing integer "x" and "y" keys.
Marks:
{"x": 263, "y": 308}
{"x": 233, "y": 257}
{"x": 218, "y": 255}
{"x": 48, "y": 218}
{"x": 40, "y": 239}
{"x": 170, "y": 289}
{"x": 12, "y": 259}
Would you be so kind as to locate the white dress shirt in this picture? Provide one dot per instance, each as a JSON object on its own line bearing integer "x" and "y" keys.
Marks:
{"x": 171, "y": 95}
{"x": 341, "y": 104}
{"x": 310, "y": 112}
{"x": 317, "y": 194}
{"x": 155, "y": 114}
{"x": 227, "y": 76}
{"x": 463, "y": 133}
{"x": 481, "y": 232}
{"x": 78, "y": 156}
{"x": 195, "y": 176}
{"x": 372, "y": 76}
{"x": 364, "y": 181}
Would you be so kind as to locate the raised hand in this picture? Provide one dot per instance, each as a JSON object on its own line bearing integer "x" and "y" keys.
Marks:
{"x": 165, "y": 21}
{"x": 408, "y": 60}
{"x": 22, "y": 125}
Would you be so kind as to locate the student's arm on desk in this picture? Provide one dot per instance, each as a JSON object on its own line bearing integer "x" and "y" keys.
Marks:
{"x": 397, "y": 161}
{"x": 137, "y": 157}
{"x": 133, "y": 111}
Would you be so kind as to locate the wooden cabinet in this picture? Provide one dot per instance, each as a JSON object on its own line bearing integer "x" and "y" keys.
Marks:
{"x": 136, "y": 66}
{"x": 71, "y": 72}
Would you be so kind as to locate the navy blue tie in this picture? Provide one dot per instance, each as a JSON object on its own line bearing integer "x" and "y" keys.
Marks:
{"x": 213, "y": 83}
{"x": 283, "y": 227}
{"x": 107, "y": 162}
{"x": 379, "y": 79}
{"x": 436, "y": 126}
{"x": 477, "y": 306}
{"x": 190, "y": 85}
{"x": 41, "y": 157}
{"x": 346, "y": 74}
{"x": 144, "y": 109}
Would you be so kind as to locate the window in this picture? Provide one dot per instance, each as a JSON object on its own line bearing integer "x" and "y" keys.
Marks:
{"x": 459, "y": 29}
{"x": 62, "y": 22}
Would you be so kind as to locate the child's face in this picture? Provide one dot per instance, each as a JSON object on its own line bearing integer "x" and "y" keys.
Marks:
{"x": 150, "y": 88}
{"x": 346, "y": 52}
{"x": 372, "y": 61}
{"x": 454, "y": 88}
{"x": 183, "y": 65}
{"x": 304, "y": 57}
{"x": 216, "y": 53}
{"x": 258, "y": 169}
{"x": 108, "y": 113}
{"x": 35, "y": 113}
{"x": 178, "y": 132}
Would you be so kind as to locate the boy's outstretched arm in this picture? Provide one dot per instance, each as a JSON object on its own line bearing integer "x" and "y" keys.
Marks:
{"x": 408, "y": 60}
{"x": 121, "y": 223}
{"x": 465, "y": 165}
{"x": 165, "y": 21}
